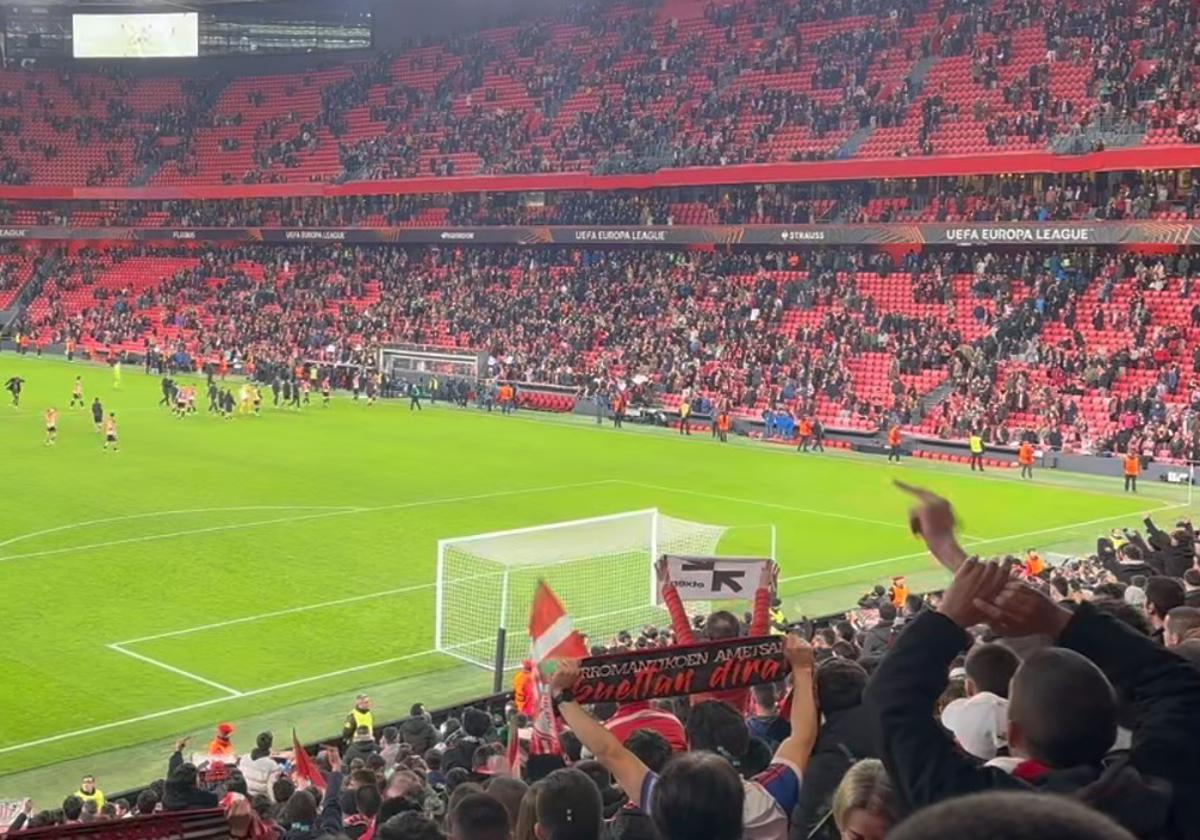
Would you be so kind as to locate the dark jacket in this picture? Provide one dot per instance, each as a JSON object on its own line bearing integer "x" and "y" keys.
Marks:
{"x": 418, "y": 733}
{"x": 1152, "y": 790}
{"x": 460, "y": 753}
{"x": 329, "y": 820}
{"x": 846, "y": 736}
{"x": 879, "y": 638}
{"x": 180, "y": 792}
{"x": 359, "y": 749}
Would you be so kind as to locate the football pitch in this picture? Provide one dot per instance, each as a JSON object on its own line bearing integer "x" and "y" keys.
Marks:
{"x": 263, "y": 570}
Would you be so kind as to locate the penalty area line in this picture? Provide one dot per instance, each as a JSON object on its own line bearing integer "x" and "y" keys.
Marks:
{"x": 212, "y": 701}
{"x": 972, "y": 542}
{"x": 232, "y": 692}
{"x": 762, "y": 503}
{"x": 345, "y": 511}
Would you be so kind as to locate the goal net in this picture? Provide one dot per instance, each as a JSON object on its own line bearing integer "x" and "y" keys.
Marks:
{"x": 602, "y": 569}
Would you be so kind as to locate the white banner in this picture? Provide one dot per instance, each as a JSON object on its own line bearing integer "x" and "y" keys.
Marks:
{"x": 716, "y": 578}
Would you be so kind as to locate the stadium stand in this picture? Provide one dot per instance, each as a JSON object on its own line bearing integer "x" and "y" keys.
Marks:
{"x": 631, "y": 88}
{"x": 943, "y": 343}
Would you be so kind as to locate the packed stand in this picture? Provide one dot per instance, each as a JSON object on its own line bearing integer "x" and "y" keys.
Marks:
{"x": 1077, "y": 350}
{"x": 637, "y": 87}
{"x": 846, "y": 335}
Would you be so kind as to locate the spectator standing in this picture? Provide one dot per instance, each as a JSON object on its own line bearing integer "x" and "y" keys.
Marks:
{"x": 88, "y": 792}
{"x": 222, "y": 744}
{"x": 849, "y": 733}
{"x": 1062, "y": 708}
{"x": 360, "y": 715}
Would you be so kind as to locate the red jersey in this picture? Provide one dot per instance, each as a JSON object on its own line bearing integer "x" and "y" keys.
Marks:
{"x": 634, "y": 716}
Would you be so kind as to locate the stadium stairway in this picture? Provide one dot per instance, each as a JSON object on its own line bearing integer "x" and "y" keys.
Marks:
{"x": 29, "y": 292}
{"x": 146, "y": 173}
{"x": 847, "y": 149}
{"x": 937, "y": 396}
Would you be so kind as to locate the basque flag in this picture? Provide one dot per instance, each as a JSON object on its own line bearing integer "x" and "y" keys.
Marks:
{"x": 551, "y": 637}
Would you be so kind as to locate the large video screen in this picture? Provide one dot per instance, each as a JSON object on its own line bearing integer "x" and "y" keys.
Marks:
{"x": 136, "y": 35}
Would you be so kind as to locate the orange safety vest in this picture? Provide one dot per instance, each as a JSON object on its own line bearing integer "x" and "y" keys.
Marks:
{"x": 1025, "y": 455}
{"x": 723, "y": 422}
{"x": 522, "y": 691}
{"x": 1133, "y": 465}
{"x": 218, "y": 747}
{"x": 899, "y": 596}
{"x": 1034, "y": 565}
{"x": 894, "y": 436}
{"x": 805, "y": 428}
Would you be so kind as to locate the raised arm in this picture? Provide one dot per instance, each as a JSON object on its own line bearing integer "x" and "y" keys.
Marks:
{"x": 674, "y": 604}
{"x": 919, "y": 754}
{"x": 932, "y": 519}
{"x": 760, "y": 623}
{"x": 626, "y": 768}
{"x": 797, "y": 748}
{"x": 1164, "y": 687}
{"x": 177, "y": 756}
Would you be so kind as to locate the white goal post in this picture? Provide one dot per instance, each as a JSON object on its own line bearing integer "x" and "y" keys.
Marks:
{"x": 417, "y": 362}
{"x": 601, "y": 568}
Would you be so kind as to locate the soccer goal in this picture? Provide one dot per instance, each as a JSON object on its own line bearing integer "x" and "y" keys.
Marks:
{"x": 602, "y": 569}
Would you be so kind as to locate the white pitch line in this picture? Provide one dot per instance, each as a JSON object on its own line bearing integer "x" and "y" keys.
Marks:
{"x": 279, "y": 520}
{"x": 128, "y": 517}
{"x": 976, "y": 541}
{"x": 761, "y": 503}
{"x": 232, "y": 692}
{"x": 341, "y": 671}
{"x": 173, "y": 534}
{"x": 104, "y": 727}
{"x": 276, "y": 613}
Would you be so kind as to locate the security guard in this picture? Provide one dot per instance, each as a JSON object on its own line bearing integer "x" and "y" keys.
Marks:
{"x": 360, "y": 715}
{"x": 1133, "y": 467}
{"x": 976, "y": 444}
{"x": 88, "y": 792}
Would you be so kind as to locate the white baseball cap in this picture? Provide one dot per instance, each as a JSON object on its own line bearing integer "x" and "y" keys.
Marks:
{"x": 979, "y": 723}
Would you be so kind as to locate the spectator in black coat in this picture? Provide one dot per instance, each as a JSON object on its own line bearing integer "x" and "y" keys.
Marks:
{"x": 1062, "y": 707}
{"x": 850, "y": 733}
{"x": 880, "y": 637}
{"x": 1163, "y": 594}
{"x": 180, "y": 793}
{"x": 461, "y": 751}
{"x": 418, "y": 730}
{"x": 362, "y": 746}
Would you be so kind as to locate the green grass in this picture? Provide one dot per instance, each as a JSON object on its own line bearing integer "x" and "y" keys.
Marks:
{"x": 203, "y": 521}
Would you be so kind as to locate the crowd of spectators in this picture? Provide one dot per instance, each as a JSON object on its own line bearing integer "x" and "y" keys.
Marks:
{"x": 1029, "y": 699}
{"x": 754, "y": 330}
{"x": 635, "y": 90}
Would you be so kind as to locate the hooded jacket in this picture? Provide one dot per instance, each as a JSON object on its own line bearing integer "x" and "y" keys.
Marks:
{"x": 1152, "y": 790}
{"x": 418, "y": 733}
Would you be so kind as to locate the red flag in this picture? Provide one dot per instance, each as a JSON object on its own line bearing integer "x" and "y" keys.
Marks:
{"x": 544, "y": 739}
{"x": 303, "y": 767}
{"x": 514, "y": 748}
{"x": 551, "y": 634}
